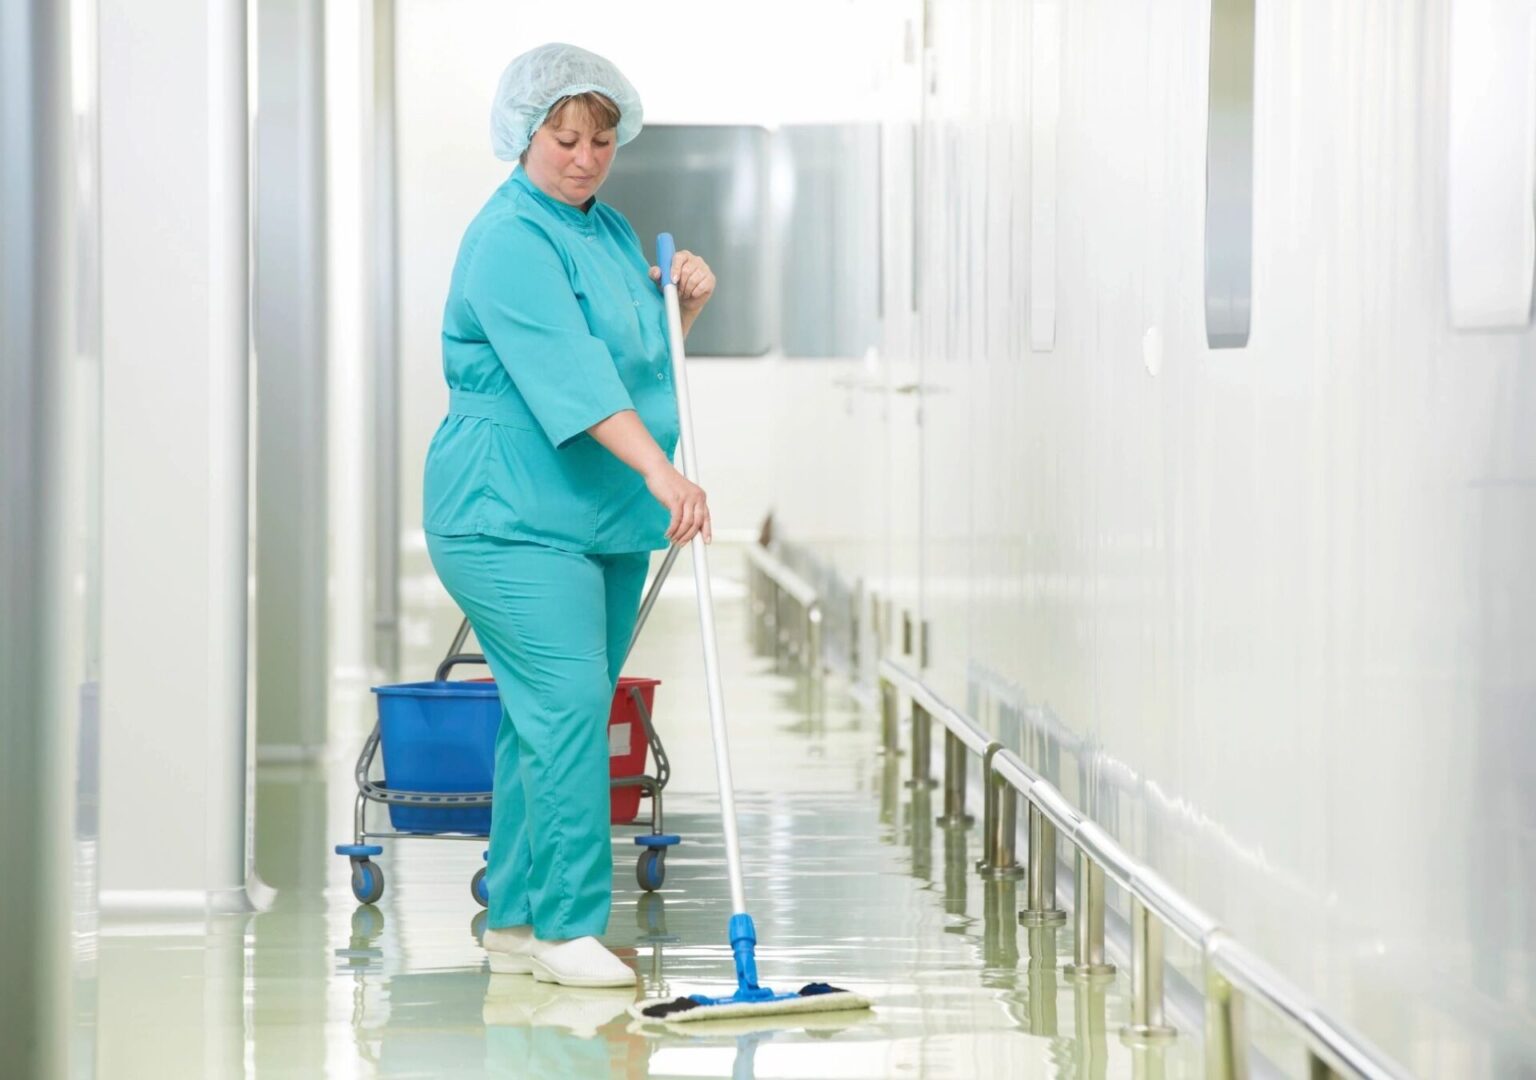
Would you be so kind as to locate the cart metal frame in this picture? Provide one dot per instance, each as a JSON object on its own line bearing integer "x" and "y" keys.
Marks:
{"x": 368, "y": 879}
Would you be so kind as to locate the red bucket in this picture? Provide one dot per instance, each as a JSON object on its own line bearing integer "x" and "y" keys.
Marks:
{"x": 627, "y": 745}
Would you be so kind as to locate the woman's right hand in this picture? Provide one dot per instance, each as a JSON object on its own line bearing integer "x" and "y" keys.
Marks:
{"x": 685, "y": 500}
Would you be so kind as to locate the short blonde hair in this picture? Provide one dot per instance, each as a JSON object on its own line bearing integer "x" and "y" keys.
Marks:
{"x": 598, "y": 107}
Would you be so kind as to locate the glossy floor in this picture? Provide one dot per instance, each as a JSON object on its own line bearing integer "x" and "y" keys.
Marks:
{"x": 849, "y": 881}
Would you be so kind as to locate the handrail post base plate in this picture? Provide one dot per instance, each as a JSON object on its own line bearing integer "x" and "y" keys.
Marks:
{"x": 999, "y": 873}
{"x": 1091, "y": 973}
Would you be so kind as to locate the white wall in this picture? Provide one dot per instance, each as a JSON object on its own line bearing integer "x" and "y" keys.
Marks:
{"x": 1282, "y": 597}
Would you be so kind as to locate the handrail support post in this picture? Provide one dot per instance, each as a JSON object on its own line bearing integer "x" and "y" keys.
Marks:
{"x": 922, "y": 749}
{"x": 999, "y": 822}
{"x": 1147, "y": 1026}
{"x": 1040, "y": 890}
{"x": 890, "y": 737}
{"x": 989, "y": 792}
{"x": 1226, "y": 1043}
{"x": 956, "y": 763}
{"x": 1318, "y": 1069}
{"x": 1088, "y": 902}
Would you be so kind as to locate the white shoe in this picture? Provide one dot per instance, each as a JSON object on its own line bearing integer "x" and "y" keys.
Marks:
{"x": 509, "y": 948}
{"x": 579, "y": 962}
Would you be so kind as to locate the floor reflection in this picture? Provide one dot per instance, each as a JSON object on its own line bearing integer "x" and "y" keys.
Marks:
{"x": 851, "y": 878}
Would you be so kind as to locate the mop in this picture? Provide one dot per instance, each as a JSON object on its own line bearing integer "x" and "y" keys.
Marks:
{"x": 750, "y": 999}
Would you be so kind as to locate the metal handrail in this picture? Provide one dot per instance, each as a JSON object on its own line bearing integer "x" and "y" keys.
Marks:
{"x": 802, "y": 591}
{"x": 805, "y": 595}
{"x": 1232, "y": 972}
{"x": 1342, "y": 1050}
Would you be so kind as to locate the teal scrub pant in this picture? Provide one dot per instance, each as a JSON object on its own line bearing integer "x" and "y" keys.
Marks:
{"x": 554, "y": 626}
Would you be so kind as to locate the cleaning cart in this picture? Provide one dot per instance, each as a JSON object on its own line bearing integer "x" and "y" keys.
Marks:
{"x": 438, "y": 742}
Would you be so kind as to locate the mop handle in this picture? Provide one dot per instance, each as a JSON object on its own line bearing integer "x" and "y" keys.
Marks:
{"x": 665, "y": 250}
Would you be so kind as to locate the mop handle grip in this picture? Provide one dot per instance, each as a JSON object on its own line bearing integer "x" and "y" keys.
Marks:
{"x": 666, "y": 249}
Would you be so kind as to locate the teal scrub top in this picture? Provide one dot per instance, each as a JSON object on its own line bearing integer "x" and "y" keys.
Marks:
{"x": 552, "y": 325}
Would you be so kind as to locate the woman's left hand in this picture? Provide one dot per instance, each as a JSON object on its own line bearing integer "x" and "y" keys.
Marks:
{"x": 695, "y": 281}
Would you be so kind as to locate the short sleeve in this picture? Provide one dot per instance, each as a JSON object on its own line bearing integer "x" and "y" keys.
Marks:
{"x": 521, "y": 295}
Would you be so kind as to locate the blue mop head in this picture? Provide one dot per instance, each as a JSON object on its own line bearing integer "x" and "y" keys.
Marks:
{"x": 749, "y": 998}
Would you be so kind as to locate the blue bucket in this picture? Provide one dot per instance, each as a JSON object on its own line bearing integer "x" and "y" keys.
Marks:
{"x": 441, "y": 737}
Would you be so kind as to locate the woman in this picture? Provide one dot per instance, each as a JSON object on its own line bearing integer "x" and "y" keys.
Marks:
{"x": 549, "y": 484}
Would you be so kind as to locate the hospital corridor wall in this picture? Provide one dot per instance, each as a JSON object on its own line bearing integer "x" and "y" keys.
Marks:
{"x": 1264, "y": 612}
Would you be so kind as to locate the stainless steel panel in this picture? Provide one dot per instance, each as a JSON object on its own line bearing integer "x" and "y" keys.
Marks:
{"x": 1229, "y": 176}
{"x": 708, "y": 185}
{"x": 1490, "y": 221}
{"x": 828, "y": 239}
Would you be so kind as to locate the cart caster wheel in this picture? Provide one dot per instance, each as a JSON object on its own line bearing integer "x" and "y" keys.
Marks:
{"x": 651, "y": 870}
{"x": 477, "y": 888}
{"x": 367, "y": 881}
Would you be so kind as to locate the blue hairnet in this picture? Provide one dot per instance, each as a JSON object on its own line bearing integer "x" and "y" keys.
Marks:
{"x": 539, "y": 78}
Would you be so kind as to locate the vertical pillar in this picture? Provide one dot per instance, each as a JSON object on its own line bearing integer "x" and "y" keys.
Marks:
{"x": 290, "y": 330}
{"x": 351, "y": 330}
{"x": 49, "y": 535}
{"x": 176, "y": 344}
{"x": 386, "y": 347}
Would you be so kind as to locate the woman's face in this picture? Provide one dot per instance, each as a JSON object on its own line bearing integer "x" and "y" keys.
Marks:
{"x": 569, "y": 157}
